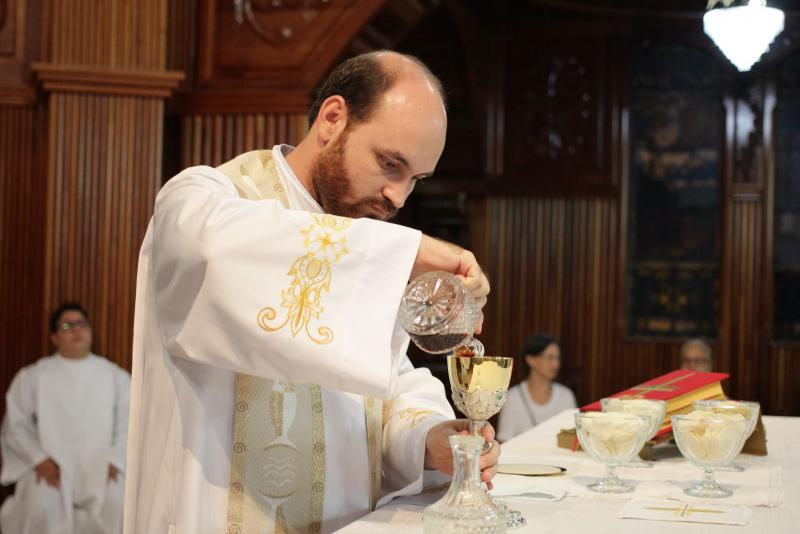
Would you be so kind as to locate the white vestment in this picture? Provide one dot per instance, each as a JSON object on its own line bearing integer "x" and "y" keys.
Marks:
{"x": 75, "y": 412}
{"x": 211, "y": 263}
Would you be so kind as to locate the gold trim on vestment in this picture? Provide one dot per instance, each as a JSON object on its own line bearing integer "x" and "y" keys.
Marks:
{"x": 373, "y": 412}
{"x": 277, "y": 480}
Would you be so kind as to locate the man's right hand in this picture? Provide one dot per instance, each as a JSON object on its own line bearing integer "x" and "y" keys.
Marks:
{"x": 49, "y": 472}
{"x": 437, "y": 255}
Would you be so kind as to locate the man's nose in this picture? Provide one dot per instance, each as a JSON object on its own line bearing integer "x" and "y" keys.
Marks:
{"x": 396, "y": 193}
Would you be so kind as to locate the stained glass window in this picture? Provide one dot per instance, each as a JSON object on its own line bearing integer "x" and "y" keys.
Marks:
{"x": 674, "y": 204}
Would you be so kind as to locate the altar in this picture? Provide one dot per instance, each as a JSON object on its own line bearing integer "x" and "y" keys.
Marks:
{"x": 769, "y": 488}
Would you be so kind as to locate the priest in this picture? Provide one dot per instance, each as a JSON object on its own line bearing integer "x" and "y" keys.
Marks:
{"x": 63, "y": 437}
{"x": 271, "y": 387}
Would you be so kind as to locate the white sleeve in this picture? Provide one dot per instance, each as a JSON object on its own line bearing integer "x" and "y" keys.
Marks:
{"x": 288, "y": 295}
{"x": 122, "y": 399}
{"x": 19, "y": 437}
{"x": 418, "y": 404}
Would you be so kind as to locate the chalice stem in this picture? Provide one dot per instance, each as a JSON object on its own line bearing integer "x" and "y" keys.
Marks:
{"x": 475, "y": 428}
{"x": 708, "y": 478}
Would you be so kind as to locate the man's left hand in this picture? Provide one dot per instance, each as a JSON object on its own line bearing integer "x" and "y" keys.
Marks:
{"x": 438, "y": 454}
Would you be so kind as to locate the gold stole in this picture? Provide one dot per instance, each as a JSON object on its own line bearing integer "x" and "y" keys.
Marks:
{"x": 277, "y": 481}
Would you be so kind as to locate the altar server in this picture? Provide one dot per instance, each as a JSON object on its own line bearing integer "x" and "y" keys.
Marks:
{"x": 63, "y": 437}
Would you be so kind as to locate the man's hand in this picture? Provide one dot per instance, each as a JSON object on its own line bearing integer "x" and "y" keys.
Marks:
{"x": 436, "y": 255}
{"x": 49, "y": 472}
{"x": 112, "y": 472}
{"x": 438, "y": 454}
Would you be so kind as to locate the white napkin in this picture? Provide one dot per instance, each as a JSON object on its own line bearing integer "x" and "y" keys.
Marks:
{"x": 672, "y": 510}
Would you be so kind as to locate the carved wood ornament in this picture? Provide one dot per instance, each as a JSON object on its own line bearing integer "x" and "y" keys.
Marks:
{"x": 259, "y": 16}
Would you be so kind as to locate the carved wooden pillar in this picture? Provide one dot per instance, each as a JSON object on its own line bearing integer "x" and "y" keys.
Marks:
{"x": 22, "y": 337}
{"x": 103, "y": 82}
{"x": 744, "y": 321}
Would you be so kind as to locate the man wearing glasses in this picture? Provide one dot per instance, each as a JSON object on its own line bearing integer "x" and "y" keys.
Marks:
{"x": 64, "y": 435}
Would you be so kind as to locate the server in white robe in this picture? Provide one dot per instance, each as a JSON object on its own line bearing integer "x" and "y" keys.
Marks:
{"x": 271, "y": 390}
{"x": 64, "y": 436}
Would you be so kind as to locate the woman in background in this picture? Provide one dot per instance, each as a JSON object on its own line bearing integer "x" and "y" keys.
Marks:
{"x": 539, "y": 397}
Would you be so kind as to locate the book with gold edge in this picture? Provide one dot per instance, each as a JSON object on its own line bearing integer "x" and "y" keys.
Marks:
{"x": 678, "y": 389}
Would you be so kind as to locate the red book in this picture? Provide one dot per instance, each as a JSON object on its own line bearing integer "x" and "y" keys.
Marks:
{"x": 669, "y": 387}
{"x": 678, "y": 388}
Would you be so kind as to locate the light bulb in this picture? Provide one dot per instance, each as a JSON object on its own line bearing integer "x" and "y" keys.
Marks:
{"x": 744, "y": 33}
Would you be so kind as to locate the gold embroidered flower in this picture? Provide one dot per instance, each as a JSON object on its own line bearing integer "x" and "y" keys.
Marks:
{"x": 325, "y": 243}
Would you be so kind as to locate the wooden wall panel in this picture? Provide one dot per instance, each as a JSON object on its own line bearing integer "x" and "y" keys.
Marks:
{"x": 557, "y": 97}
{"x": 781, "y": 383}
{"x": 279, "y": 44}
{"x": 81, "y": 163}
{"x": 121, "y": 34}
{"x": 553, "y": 264}
{"x": 742, "y": 342}
{"x": 23, "y": 199}
{"x": 102, "y": 180}
{"x": 104, "y": 105}
{"x": 558, "y": 264}
{"x": 214, "y": 139}
{"x": 18, "y": 45}
{"x": 181, "y": 31}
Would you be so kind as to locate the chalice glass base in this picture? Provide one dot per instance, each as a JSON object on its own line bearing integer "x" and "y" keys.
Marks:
{"x": 611, "y": 484}
{"x": 708, "y": 488}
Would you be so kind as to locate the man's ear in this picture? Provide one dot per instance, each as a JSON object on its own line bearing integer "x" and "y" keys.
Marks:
{"x": 332, "y": 119}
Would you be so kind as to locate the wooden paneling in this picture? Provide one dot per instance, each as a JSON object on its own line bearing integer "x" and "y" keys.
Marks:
{"x": 214, "y": 139}
{"x": 289, "y": 44}
{"x": 182, "y": 33}
{"x": 104, "y": 101}
{"x": 106, "y": 81}
{"x": 23, "y": 200}
{"x": 18, "y": 45}
{"x": 122, "y": 34}
{"x": 554, "y": 266}
{"x": 553, "y": 233}
{"x": 23, "y": 197}
{"x": 102, "y": 179}
{"x": 742, "y": 343}
{"x": 780, "y": 383}
{"x": 267, "y": 57}
{"x": 81, "y": 169}
{"x": 557, "y": 104}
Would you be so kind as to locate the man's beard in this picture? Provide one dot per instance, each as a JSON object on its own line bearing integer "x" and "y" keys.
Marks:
{"x": 332, "y": 187}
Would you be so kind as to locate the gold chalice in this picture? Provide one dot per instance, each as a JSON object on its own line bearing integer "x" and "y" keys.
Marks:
{"x": 479, "y": 385}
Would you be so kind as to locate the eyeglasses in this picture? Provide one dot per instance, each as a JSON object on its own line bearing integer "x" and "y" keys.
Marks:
{"x": 66, "y": 326}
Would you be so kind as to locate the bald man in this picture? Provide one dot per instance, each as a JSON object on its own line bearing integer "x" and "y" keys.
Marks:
{"x": 271, "y": 387}
{"x": 696, "y": 355}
